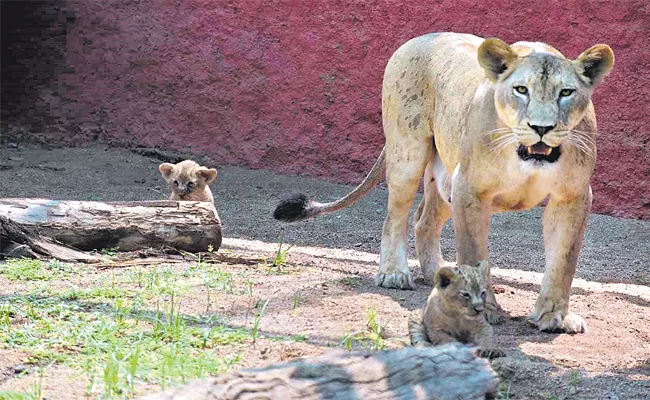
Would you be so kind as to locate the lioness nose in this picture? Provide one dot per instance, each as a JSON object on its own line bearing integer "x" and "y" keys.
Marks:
{"x": 542, "y": 130}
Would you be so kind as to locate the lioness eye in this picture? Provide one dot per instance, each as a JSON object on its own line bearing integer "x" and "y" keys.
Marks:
{"x": 521, "y": 89}
{"x": 566, "y": 92}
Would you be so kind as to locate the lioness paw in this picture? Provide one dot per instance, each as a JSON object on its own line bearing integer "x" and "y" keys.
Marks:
{"x": 557, "y": 321}
{"x": 395, "y": 280}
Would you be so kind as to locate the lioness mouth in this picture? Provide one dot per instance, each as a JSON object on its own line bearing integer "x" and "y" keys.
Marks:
{"x": 540, "y": 151}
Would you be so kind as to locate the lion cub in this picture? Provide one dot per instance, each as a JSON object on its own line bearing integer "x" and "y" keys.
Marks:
{"x": 454, "y": 311}
{"x": 188, "y": 180}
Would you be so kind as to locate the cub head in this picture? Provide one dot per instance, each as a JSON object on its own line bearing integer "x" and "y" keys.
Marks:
{"x": 542, "y": 96}
{"x": 186, "y": 177}
{"x": 463, "y": 288}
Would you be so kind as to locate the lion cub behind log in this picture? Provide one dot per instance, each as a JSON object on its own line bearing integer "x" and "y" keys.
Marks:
{"x": 188, "y": 180}
{"x": 454, "y": 311}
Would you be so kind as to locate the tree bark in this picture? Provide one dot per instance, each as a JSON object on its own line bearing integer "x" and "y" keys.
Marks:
{"x": 89, "y": 225}
{"x": 451, "y": 371}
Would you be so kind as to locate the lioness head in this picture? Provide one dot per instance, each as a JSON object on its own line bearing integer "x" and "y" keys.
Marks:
{"x": 463, "y": 288}
{"x": 541, "y": 96}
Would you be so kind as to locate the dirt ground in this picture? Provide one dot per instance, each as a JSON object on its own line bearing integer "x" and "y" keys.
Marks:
{"x": 334, "y": 260}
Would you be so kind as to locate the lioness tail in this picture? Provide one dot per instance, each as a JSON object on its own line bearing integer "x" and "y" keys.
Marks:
{"x": 296, "y": 206}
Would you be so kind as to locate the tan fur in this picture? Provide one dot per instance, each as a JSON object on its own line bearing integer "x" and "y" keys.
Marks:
{"x": 454, "y": 310}
{"x": 451, "y": 113}
{"x": 188, "y": 181}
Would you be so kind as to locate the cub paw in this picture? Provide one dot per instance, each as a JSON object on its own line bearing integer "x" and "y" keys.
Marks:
{"x": 559, "y": 322}
{"x": 491, "y": 354}
{"x": 494, "y": 315}
{"x": 395, "y": 280}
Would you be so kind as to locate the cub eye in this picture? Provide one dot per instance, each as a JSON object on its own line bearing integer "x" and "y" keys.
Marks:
{"x": 521, "y": 89}
{"x": 190, "y": 185}
{"x": 465, "y": 295}
{"x": 566, "y": 92}
{"x": 483, "y": 295}
{"x": 175, "y": 182}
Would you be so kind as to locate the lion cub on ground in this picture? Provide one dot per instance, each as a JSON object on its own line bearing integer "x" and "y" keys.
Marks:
{"x": 188, "y": 180}
{"x": 454, "y": 311}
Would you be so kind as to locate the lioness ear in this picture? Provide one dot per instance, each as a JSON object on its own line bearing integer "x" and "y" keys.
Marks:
{"x": 209, "y": 174}
{"x": 483, "y": 267}
{"x": 166, "y": 169}
{"x": 444, "y": 277}
{"x": 496, "y": 57}
{"x": 594, "y": 64}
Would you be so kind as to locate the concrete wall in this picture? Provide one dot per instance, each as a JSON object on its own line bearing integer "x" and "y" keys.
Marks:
{"x": 294, "y": 86}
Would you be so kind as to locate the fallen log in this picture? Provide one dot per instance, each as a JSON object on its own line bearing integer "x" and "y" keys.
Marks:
{"x": 20, "y": 242}
{"x": 90, "y": 225}
{"x": 451, "y": 371}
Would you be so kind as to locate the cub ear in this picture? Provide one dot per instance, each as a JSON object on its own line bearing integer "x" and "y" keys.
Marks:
{"x": 496, "y": 57}
{"x": 483, "y": 267}
{"x": 444, "y": 277}
{"x": 166, "y": 169}
{"x": 209, "y": 174}
{"x": 594, "y": 64}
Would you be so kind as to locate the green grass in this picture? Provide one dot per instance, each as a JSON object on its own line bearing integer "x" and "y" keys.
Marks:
{"x": 280, "y": 257}
{"x": 28, "y": 270}
{"x": 371, "y": 338}
{"x": 125, "y": 331}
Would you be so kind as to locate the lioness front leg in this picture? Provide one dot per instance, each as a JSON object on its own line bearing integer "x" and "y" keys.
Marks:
{"x": 471, "y": 225}
{"x": 564, "y": 228}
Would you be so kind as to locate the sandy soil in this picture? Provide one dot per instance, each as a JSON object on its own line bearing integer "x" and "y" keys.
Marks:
{"x": 335, "y": 259}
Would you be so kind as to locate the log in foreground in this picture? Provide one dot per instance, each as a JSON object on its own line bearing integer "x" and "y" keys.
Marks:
{"x": 88, "y": 225}
{"x": 452, "y": 371}
{"x": 20, "y": 242}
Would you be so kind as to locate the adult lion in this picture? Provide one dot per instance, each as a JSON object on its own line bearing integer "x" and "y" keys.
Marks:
{"x": 492, "y": 128}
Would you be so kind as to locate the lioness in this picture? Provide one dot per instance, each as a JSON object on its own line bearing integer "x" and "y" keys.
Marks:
{"x": 454, "y": 311}
{"x": 493, "y": 128}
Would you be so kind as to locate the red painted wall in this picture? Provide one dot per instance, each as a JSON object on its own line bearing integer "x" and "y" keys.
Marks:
{"x": 295, "y": 86}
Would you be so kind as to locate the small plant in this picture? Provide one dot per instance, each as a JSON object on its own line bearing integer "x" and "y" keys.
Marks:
{"x": 281, "y": 255}
{"x": 504, "y": 391}
{"x": 297, "y": 298}
{"x": 348, "y": 339}
{"x": 575, "y": 380}
{"x": 256, "y": 321}
{"x": 376, "y": 330}
{"x": 132, "y": 369}
{"x": 249, "y": 287}
{"x": 5, "y": 317}
{"x": 109, "y": 252}
{"x": 112, "y": 375}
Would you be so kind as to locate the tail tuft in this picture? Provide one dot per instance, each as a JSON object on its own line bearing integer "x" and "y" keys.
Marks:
{"x": 292, "y": 208}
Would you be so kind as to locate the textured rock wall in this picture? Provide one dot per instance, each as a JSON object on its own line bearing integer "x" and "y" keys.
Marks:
{"x": 294, "y": 86}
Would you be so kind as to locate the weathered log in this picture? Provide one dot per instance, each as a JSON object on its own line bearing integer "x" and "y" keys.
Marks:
{"x": 452, "y": 371}
{"x": 87, "y": 225}
{"x": 19, "y": 241}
